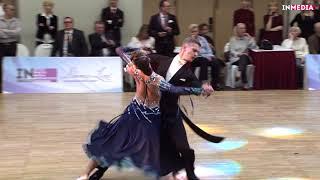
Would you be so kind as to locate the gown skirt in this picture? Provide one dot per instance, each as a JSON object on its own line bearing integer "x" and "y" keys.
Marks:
{"x": 132, "y": 139}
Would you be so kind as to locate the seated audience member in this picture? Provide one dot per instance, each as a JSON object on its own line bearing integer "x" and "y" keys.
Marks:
{"x": 314, "y": 40}
{"x": 142, "y": 40}
{"x": 300, "y": 47}
{"x": 239, "y": 45}
{"x": 102, "y": 44}
{"x": 298, "y": 44}
{"x": 205, "y": 58}
{"x": 47, "y": 24}
{"x": 273, "y": 24}
{"x": 70, "y": 41}
{"x": 204, "y": 31}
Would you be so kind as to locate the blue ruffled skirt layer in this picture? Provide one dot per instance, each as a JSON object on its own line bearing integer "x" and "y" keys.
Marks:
{"x": 133, "y": 139}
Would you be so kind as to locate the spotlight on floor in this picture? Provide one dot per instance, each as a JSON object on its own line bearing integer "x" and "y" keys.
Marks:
{"x": 226, "y": 145}
{"x": 280, "y": 133}
{"x": 287, "y": 178}
{"x": 225, "y": 169}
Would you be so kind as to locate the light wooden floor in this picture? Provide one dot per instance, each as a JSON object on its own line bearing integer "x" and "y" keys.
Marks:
{"x": 41, "y": 135}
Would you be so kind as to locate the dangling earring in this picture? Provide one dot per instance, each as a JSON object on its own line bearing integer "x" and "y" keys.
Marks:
{"x": 136, "y": 74}
{"x": 151, "y": 79}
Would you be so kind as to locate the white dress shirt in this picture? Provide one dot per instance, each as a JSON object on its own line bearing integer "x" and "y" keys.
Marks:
{"x": 105, "y": 51}
{"x": 113, "y": 9}
{"x": 299, "y": 46}
{"x": 164, "y": 20}
{"x": 175, "y": 65}
{"x": 1, "y": 10}
{"x": 67, "y": 39}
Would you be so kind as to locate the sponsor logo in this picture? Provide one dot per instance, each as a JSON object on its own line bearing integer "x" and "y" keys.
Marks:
{"x": 101, "y": 75}
{"x": 37, "y": 75}
{"x": 299, "y": 7}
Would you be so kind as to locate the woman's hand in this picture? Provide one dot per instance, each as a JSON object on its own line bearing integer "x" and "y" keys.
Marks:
{"x": 291, "y": 36}
{"x": 130, "y": 69}
{"x": 247, "y": 35}
{"x": 272, "y": 14}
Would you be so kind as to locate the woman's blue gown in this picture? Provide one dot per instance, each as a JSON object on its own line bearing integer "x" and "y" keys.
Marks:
{"x": 133, "y": 139}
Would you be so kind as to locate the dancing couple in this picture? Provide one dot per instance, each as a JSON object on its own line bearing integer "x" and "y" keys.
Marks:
{"x": 151, "y": 126}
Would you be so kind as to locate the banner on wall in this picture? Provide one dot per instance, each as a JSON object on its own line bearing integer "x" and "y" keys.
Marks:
{"x": 62, "y": 74}
{"x": 313, "y": 72}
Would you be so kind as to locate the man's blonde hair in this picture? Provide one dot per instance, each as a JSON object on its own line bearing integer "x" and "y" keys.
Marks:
{"x": 47, "y": 3}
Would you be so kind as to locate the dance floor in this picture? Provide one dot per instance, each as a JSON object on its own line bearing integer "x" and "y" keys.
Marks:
{"x": 271, "y": 135}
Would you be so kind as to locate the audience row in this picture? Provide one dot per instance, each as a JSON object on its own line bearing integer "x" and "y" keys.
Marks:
{"x": 159, "y": 35}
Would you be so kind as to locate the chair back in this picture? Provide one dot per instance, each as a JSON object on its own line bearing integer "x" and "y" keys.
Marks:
{"x": 43, "y": 50}
{"x": 22, "y": 50}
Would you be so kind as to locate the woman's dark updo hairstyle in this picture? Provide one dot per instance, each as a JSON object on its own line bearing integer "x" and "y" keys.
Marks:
{"x": 142, "y": 62}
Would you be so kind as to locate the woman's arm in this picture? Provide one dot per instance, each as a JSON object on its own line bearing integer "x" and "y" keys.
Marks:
{"x": 133, "y": 72}
{"x": 275, "y": 21}
{"x": 269, "y": 23}
{"x": 278, "y": 23}
{"x": 277, "y": 28}
{"x": 287, "y": 43}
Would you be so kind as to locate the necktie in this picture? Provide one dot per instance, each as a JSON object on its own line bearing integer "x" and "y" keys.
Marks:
{"x": 66, "y": 43}
{"x": 69, "y": 37}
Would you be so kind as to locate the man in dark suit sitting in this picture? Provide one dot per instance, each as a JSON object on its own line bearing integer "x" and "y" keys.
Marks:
{"x": 175, "y": 152}
{"x": 163, "y": 27}
{"x": 102, "y": 44}
{"x": 70, "y": 41}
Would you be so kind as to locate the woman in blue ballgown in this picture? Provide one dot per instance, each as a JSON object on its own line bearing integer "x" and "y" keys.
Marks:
{"x": 133, "y": 138}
